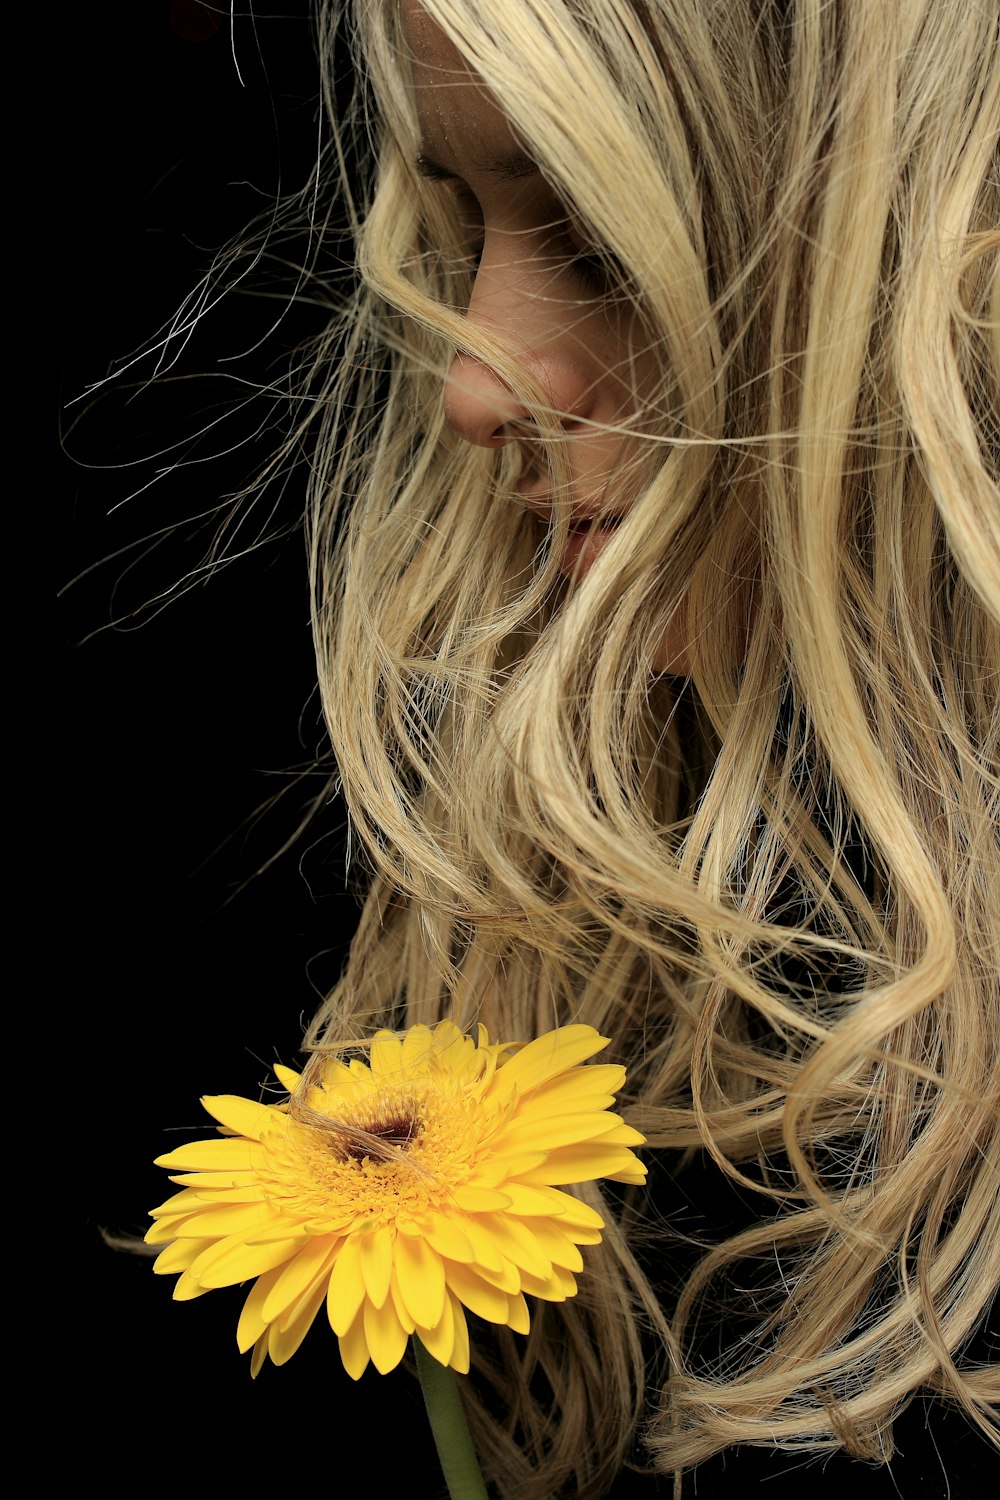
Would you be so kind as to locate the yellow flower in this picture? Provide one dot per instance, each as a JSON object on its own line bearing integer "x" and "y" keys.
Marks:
{"x": 401, "y": 1192}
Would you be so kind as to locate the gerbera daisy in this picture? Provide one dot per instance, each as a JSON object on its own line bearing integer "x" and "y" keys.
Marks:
{"x": 401, "y": 1191}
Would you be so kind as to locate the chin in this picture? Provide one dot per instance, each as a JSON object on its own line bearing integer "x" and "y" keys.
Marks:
{"x": 673, "y": 655}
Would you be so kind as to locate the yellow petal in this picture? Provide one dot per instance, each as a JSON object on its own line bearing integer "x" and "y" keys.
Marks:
{"x": 376, "y": 1264}
{"x": 478, "y": 1296}
{"x": 354, "y": 1348}
{"x": 385, "y": 1059}
{"x": 550, "y": 1102}
{"x": 252, "y": 1321}
{"x": 508, "y": 1278}
{"x": 585, "y": 1163}
{"x": 460, "y": 1355}
{"x": 384, "y": 1335}
{"x": 622, "y": 1135}
{"x": 258, "y": 1357}
{"x": 347, "y": 1288}
{"x": 515, "y": 1240}
{"x": 402, "y": 1311}
{"x": 334, "y": 1090}
{"x": 236, "y": 1113}
{"x": 337, "y": 1076}
{"x": 568, "y": 1089}
{"x": 486, "y": 1250}
{"x": 177, "y": 1205}
{"x": 571, "y": 1211}
{"x": 560, "y": 1250}
{"x": 548, "y": 1055}
{"x": 560, "y": 1130}
{"x": 331, "y": 1226}
{"x": 188, "y": 1287}
{"x": 312, "y": 1299}
{"x": 518, "y": 1316}
{"x": 418, "y": 1045}
{"x": 420, "y": 1276}
{"x": 446, "y": 1236}
{"x": 494, "y": 1173}
{"x": 635, "y": 1174}
{"x": 211, "y": 1183}
{"x": 530, "y": 1202}
{"x": 164, "y": 1231}
{"x": 584, "y": 1236}
{"x": 415, "y": 1229}
{"x": 439, "y": 1341}
{"x": 555, "y": 1288}
{"x": 221, "y": 1154}
{"x": 219, "y": 1222}
{"x": 298, "y": 1277}
{"x": 287, "y": 1077}
{"x": 285, "y": 1339}
{"x": 277, "y": 1229}
{"x": 231, "y": 1261}
{"x": 179, "y": 1255}
{"x": 452, "y": 1046}
{"x": 478, "y": 1200}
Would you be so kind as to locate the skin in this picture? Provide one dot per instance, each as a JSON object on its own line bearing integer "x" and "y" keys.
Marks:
{"x": 535, "y": 291}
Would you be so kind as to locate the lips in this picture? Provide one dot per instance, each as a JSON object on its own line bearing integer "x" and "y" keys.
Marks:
{"x": 587, "y": 539}
{"x": 588, "y": 533}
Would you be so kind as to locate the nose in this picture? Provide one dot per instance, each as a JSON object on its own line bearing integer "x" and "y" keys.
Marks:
{"x": 482, "y": 408}
{"x": 539, "y": 332}
{"x": 478, "y": 405}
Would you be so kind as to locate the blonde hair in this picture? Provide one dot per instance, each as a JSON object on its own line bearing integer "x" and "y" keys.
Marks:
{"x": 774, "y": 884}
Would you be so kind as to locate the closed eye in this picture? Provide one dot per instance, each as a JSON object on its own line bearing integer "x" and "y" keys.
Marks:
{"x": 594, "y": 268}
{"x": 593, "y": 264}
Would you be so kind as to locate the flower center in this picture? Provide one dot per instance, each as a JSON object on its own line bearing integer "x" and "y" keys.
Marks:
{"x": 377, "y": 1129}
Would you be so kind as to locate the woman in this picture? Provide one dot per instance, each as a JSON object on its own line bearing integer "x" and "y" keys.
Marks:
{"x": 656, "y": 545}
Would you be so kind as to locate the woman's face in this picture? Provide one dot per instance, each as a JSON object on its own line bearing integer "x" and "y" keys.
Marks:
{"x": 539, "y": 291}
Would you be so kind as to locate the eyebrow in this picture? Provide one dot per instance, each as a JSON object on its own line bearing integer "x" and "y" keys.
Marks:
{"x": 509, "y": 168}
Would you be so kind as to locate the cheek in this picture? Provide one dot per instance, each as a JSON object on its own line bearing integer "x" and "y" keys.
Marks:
{"x": 638, "y": 380}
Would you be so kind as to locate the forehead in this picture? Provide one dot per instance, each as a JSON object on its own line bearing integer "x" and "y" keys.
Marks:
{"x": 460, "y": 120}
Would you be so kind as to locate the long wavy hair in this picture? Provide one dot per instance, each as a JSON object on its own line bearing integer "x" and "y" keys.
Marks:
{"x": 775, "y": 882}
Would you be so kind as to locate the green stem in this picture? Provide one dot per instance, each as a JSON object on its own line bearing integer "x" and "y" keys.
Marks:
{"x": 451, "y": 1431}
